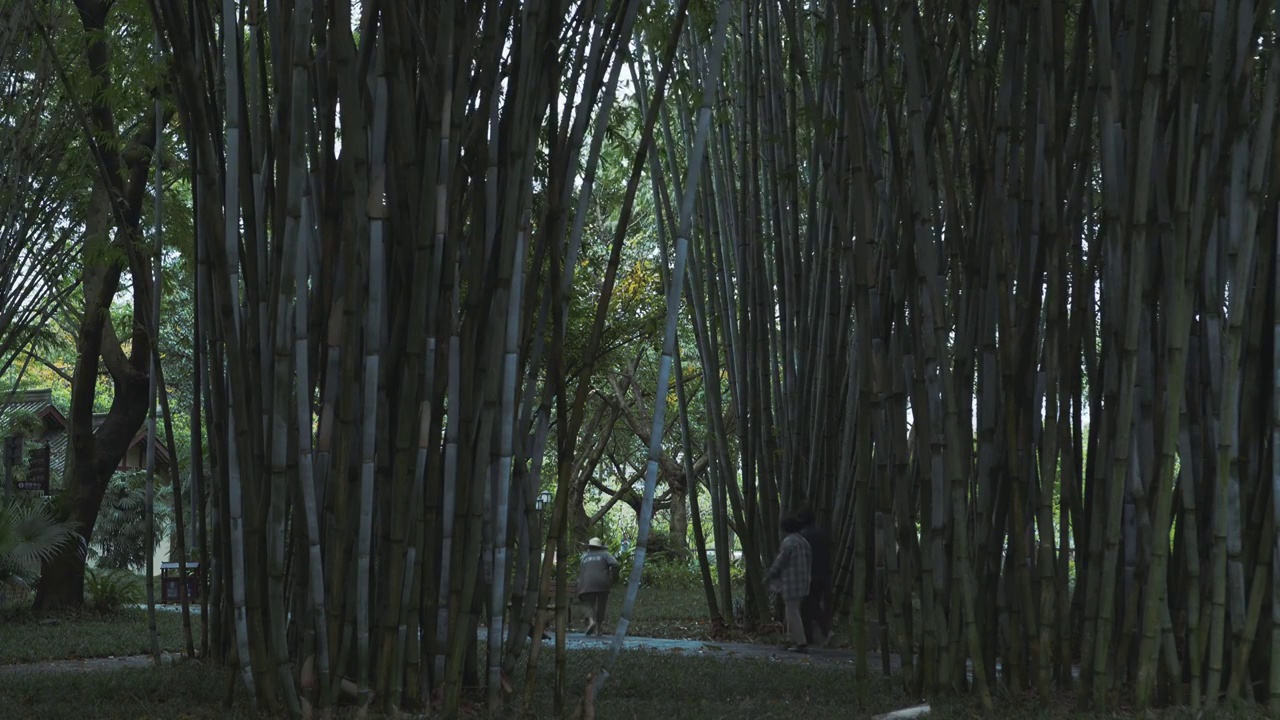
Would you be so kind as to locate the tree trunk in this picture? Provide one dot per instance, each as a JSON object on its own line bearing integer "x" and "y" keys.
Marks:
{"x": 678, "y": 537}
{"x": 62, "y": 583}
{"x": 581, "y": 522}
{"x": 95, "y": 454}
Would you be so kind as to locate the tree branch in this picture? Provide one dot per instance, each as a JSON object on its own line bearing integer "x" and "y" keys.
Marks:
{"x": 48, "y": 364}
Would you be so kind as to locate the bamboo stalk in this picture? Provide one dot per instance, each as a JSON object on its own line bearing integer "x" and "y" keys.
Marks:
{"x": 674, "y": 295}
{"x": 153, "y": 360}
{"x": 1273, "y": 701}
{"x": 497, "y": 600}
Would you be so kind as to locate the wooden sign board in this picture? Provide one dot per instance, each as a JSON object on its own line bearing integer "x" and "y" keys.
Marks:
{"x": 37, "y": 471}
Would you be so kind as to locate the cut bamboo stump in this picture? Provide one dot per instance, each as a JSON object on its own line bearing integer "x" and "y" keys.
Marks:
{"x": 911, "y": 712}
{"x": 586, "y": 709}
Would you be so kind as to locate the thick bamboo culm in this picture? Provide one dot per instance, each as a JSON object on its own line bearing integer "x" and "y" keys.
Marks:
{"x": 984, "y": 284}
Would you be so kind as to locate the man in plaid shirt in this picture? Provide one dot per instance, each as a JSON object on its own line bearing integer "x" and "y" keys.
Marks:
{"x": 790, "y": 576}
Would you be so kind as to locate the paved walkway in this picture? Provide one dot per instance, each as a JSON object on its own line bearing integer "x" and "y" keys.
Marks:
{"x": 707, "y": 648}
{"x": 575, "y": 641}
{"x": 86, "y": 665}
{"x": 167, "y": 607}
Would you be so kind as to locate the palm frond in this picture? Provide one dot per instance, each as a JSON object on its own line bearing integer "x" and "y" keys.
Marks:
{"x": 30, "y": 536}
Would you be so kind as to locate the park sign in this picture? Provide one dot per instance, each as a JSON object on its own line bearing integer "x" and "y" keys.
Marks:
{"x": 37, "y": 478}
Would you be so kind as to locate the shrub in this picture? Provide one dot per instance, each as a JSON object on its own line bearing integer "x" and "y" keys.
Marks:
{"x": 109, "y": 590}
{"x": 659, "y": 548}
{"x": 120, "y": 535}
{"x": 667, "y": 576}
{"x": 30, "y": 535}
{"x": 671, "y": 575}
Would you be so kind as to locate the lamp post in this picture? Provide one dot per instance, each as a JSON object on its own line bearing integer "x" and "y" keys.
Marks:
{"x": 540, "y": 502}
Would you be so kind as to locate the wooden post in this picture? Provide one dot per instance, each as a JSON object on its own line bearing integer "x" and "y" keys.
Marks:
{"x": 13, "y": 446}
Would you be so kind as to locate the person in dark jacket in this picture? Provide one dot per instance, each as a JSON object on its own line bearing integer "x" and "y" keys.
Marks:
{"x": 596, "y": 573}
{"x": 817, "y": 605}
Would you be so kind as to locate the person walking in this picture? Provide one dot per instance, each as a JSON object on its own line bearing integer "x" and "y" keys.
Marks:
{"x": 790, "y": 576}
{"x": 816, "y": 609}
{"x": 596, "y": 573}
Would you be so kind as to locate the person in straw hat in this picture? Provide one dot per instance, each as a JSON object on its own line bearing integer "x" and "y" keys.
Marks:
{"x": 596, "y": 573}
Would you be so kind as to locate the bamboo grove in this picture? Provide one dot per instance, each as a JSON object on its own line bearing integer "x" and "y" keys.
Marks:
{"x": 987, "y": 285}
{"x": 991, "y": 281}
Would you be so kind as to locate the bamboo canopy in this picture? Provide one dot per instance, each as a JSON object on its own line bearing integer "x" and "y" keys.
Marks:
{"x": 37, "y": 187}
{"x": 983, "y": 284}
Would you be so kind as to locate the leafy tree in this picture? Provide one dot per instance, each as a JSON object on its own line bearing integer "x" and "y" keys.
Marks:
{"x": 119, "y": 127}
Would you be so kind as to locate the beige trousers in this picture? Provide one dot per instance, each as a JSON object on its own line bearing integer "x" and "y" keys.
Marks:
{"x": 596, "y": 605}
{"x": 795, "y": 624}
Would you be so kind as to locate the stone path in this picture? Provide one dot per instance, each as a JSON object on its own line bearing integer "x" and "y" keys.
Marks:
{"x": 575, "y": 641}
{"x": 726, "y": 650}
{"x": 756, "y": 651}
{"x": 86, "y": 665}
{"x": 175, "y": 608}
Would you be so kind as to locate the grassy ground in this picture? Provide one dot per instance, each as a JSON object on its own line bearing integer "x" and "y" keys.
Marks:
{"x": 679, "y": 614}
{"x": 27, "y": 638}
{"x": 682, "y": 614}
{"x": 186, "y": 691}
{"x": 643, "y": 685}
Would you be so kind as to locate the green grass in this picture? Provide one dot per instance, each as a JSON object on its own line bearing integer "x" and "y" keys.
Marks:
{"x": 26, "y": 637}
{"x": 1067, "y": 706}
{"x": 652, "y": 685}
{"x": 679, "y": 614}
{"x": 188, "y": 690}
{"x": 643, "y": 685}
